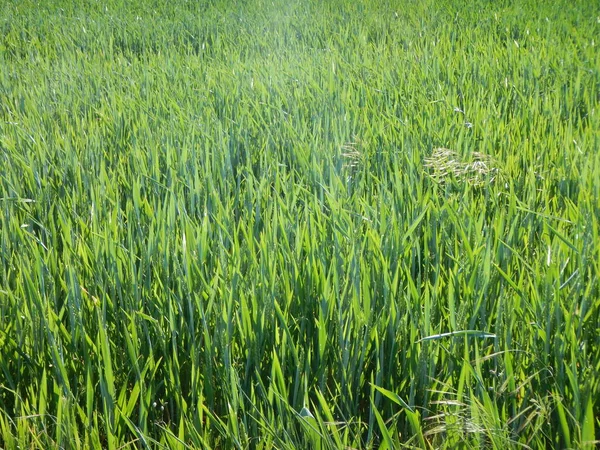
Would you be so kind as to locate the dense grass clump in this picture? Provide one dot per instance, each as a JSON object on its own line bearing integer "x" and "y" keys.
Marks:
{"x": 299, "y": 224}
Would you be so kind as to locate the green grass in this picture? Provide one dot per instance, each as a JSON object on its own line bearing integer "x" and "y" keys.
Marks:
{"x": 230, "y": 224}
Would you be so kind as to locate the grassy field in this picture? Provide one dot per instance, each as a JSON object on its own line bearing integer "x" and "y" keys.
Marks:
{"x": 299, "y": 224}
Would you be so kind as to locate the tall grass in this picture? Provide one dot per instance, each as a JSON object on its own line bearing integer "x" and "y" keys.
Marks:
{"x": 222, "y": 225}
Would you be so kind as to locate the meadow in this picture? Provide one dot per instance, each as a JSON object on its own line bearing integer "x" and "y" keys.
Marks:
{"x": 299, "y": 224}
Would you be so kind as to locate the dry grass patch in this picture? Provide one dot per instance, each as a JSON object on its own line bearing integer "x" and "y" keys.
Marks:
{"x": 446, "y": 165}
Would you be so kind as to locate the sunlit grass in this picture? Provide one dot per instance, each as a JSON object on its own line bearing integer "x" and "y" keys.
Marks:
{"x": 299, "y": 224}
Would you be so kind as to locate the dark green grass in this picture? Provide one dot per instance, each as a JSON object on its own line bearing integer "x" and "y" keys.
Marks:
{"x": 221, "y": 226}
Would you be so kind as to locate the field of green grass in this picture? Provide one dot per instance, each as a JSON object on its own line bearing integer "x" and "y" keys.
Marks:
{"x": 299, "y": 224}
